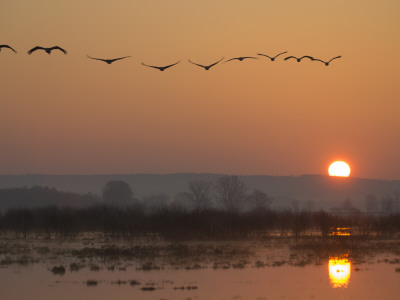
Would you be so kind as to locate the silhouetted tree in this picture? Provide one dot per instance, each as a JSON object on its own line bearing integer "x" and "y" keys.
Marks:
{"x": 201, "y": 193}
{"x": 117, "y": 193}
{"x": 231, "y": 192}
{"x": 154, "y": 203}
{"x": 258, "y": 201}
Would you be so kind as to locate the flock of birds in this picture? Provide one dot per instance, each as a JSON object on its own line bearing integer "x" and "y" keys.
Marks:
{"x": 163, "y": 68}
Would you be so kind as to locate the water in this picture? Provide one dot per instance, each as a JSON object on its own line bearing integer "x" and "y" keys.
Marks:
{"x": 227, "y": 271}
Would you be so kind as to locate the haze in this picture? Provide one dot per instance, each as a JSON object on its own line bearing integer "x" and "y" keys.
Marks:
{"x": 67, "y": 114}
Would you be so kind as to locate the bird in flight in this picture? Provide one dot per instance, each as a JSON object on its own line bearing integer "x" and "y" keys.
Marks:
{"x": 241, "y": 58}
{"x": 7, "y": 46}
{"x": 109, "y": 61}
{"x": 205, "y": 67}
{"x": 161, "y": 68}
{"x": 299, "y": 58}
{"x": 327, "y": 62}
{"x": 48, "y": 50}
{"x": 272, "y": 58}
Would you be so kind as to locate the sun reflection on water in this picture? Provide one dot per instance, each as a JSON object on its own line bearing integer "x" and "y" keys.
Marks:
{"x": 339, "y": 271}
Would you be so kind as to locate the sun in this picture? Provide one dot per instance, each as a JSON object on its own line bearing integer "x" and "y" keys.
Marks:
{"x": 339, "y": 168}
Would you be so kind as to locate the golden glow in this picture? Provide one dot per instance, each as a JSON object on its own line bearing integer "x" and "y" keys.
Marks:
{"x": 339, "y": 168}
{"x": 339, "y": 271}
{"x": 340, "y": 231}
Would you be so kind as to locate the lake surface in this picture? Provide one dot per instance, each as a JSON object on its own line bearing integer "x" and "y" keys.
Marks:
{"x": 196, "y": 270}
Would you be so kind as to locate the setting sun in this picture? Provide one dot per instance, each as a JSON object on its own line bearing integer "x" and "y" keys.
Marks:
{"x": 339, "y": 168}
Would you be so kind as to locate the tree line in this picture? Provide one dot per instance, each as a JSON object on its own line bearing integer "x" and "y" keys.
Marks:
{"x": 222, "y": 209}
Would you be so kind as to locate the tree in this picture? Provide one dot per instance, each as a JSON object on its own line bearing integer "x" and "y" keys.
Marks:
{"x": 117, "y": 193}
{"x": 201, "y": 193}
{"x": 231, "y": 192}
{"x": 258, "y": 201}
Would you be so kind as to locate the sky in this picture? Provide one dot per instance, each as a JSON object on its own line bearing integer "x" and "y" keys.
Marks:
{"x": 68, "y": 114}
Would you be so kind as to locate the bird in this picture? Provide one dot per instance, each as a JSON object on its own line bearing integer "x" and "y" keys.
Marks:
{"x": 109, "y": 61}
{"x": 48, "y": 50}
{"x": 161, "y": 68}
{"x": 299, "y": 58}
{"x": 272, "y": 58}
{"x": 7, "y": 46}
{"x": 327, "y": 62}
{"x": 241, "y": 58}
{"x": 205, "y": 67}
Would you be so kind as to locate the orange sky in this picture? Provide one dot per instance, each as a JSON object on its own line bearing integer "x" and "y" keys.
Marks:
{"x": 72, "y": 115}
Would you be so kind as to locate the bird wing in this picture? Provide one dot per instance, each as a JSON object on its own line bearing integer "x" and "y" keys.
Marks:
{"x": 289, "y": 57}
{"x": 119, "y": 58}
{"x": 9, "y": 47}
{"x": 150, "y": 66}
{"x": 196, "y": 64}
{"x": 264, "y": 55}
{"x": 34, "y": 49}
{"x": 280, "y": 54}
{"x": 96, "y": 58}
{"x": 306, "y": 56}
{"x": 216, "y": 62}
{"x": 244, "y": 57}
{"x": 335, "y": 58}
{"x": 59, "y": 48}
{"x": 317, "y": 59}
{"x": 232, "y": 59}
{"x": 171, "y": 65}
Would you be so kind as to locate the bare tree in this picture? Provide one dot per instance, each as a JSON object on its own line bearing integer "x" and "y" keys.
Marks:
{"x": 231, "y": 192}
{"x": 201, "y": 193}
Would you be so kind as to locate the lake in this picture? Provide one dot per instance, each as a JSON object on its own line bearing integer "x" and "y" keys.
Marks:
{"x": 103, "y": 268}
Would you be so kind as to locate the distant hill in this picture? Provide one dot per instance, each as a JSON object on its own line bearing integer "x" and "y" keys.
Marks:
{"x": 324, "y": 191}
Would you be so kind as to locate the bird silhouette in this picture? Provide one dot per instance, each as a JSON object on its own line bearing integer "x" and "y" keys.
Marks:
{"x": 272, "y": 58}
{"x": 109, "y": 61}
{"x": 241, "y": 58}
{"x": 7, "y": 46}
{"x": 161, "y": 68}
{"x": 299, "y": 58}
{"x": 48, "y": 50}
{"x": 205, "y": 67}
{"x": 327, "y": 62}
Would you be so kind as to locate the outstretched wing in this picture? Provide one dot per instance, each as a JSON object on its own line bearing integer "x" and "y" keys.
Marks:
{"x": 280, "y": 54}
{"x": 119, "y": 58}
{"x": 335, "y": 58}
{"x": 244, "y": 57}
{"x": 7, "y": 46}
{"x": 215, "y": 63}
{"x": 317, "y": 59}
{"x": 59, "y": 48}
{"x": 264, "y": 55}
{"x": 150, "y": 66}
{"x": 289, "y": 57}
{"x": 171, "y": 65}
{"x": 34, "y": 49}
{"x": 196, "y": 64}
{"x": 231, "y": 59}
{"x": 97, "y": 58}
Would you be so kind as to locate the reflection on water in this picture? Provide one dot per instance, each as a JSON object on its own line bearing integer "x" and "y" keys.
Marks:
{"x": 340, "y": 231}
{"x": 339, "y": 271}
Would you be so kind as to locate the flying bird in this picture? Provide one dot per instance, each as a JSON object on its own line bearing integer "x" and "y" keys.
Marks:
{"x": 241, "y": 58}
{"x": 109, "y": 61}
{"x": 7, "y": 46}
{"x": 161, "y": 68}
{"x": 327, "y": 62}
{"x": 272, "y": 58}
{"x": 48, "y": 50}
{"x": 205, "y": 67}
{"x": 299, "y": 58}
